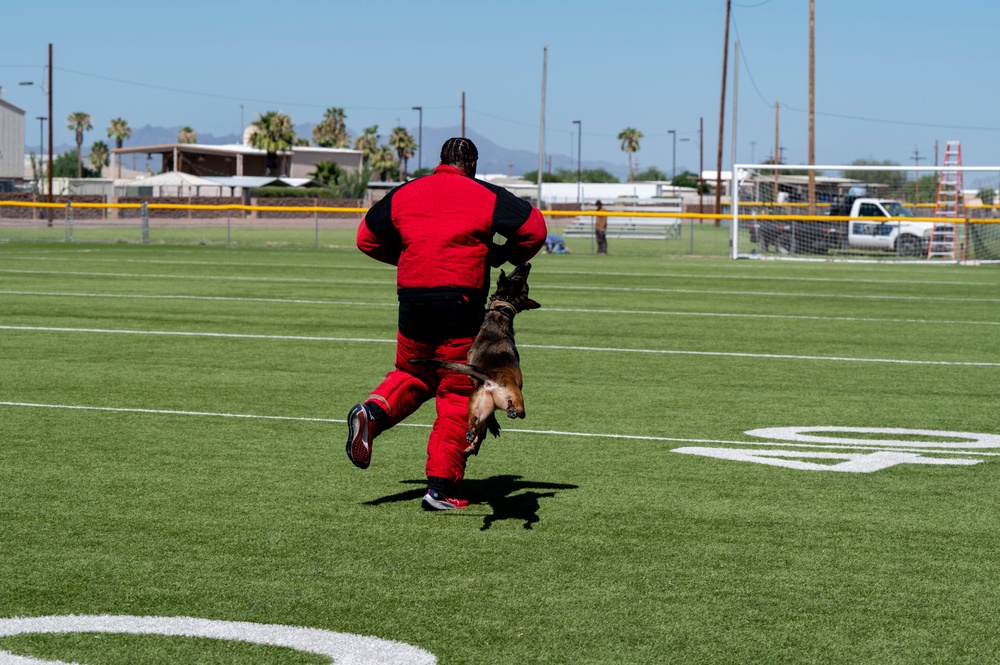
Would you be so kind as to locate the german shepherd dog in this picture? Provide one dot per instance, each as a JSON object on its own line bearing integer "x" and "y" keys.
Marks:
{"x": 494, "y": 364}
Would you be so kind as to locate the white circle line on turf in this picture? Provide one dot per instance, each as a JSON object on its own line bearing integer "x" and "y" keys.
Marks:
{"x": 343, "y": 648}
{"x": 549, "y": 347}
{"x": 580, "y": 310}
{"x": 594, "y": 435}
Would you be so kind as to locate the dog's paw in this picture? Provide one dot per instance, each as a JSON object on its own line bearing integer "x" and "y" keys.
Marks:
{"x": 512, "y": 412}
{"x": 470, "y": 436}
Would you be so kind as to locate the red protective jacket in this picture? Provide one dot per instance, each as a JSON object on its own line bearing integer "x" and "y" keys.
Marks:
{"x": 439, "y": 231}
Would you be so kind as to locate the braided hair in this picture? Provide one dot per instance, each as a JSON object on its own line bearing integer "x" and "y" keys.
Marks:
{"x": 459, "y": 150}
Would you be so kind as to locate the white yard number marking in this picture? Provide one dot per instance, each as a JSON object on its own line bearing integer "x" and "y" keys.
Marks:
{"x": 343, "y": 648}
{"x": 852, "y": 462}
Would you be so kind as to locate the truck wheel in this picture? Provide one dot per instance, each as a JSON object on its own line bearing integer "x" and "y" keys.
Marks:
{"x": 908, "y": 246}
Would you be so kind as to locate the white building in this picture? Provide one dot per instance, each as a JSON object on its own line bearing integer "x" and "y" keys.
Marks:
{"x": 11, "y": 142}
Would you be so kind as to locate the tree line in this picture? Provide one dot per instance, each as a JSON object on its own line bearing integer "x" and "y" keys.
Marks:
{"x": 272, "y": 132}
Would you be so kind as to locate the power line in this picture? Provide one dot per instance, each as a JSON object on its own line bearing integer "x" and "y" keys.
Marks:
{"x": 896, "y": 122}
{"x": 746, "y": 61}
{"x": 198, "y": 93}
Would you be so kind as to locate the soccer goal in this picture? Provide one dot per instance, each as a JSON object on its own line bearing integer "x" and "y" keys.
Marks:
{"x": 866, "y": 212}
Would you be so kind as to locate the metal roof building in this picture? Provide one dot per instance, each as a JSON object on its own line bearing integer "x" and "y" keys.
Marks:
{"x": 11, "y": 142}
{"x": 222, "y": 161}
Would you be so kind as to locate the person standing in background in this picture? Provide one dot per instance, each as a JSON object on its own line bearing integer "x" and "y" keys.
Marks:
{"x": 601, "y": 230}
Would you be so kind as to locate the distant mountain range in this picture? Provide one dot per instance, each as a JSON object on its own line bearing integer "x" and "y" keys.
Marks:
{"x": 493, "y": 158}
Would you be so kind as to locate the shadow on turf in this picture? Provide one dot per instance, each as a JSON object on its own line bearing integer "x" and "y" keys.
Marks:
{"x": 506, "y": 495}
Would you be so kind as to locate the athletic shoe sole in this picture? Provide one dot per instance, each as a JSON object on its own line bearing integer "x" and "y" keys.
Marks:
{"x": 445, "y": 503}
{"x": 359, "y": 444}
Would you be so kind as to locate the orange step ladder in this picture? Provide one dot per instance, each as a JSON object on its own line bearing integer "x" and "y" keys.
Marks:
{"x": 950, "y": 206}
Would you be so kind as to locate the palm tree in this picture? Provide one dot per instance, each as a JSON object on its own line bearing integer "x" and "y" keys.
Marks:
{"x": 99, "y": 155}
{"x": 383, "y": 162}
{"x": 273, "y": 134}
{"x": 331, "y": 132}
{"x": 79, "y": 122}
{"x": 404, "y": 144}
{"x": 630, "y": 138}
{"x": 187, "y": 135}
{"x": 368, "y": 142}
{"x": 326, "y": 173}
{"x": 119, "y": 129}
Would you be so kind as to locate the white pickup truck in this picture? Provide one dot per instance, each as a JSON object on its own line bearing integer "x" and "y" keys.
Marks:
{"x": 874, "y": 224}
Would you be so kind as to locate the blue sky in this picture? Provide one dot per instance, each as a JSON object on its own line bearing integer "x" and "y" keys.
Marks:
{"x": 892, "y": 77}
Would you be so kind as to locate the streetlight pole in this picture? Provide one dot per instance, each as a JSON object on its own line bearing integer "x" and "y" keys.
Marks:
{"x": 420, "y": 137}
{"x": 41, "y": 147}
{"x": 41, "y": 124}
{"x": 579, "y": 170}
{"x": 673, "y": 157}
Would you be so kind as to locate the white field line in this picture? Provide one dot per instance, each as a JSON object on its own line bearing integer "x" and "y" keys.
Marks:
{"x": 565, "y": 433}
{"x": 373, "y": 266}
{"x": 549, "y": 347}
{"x": 207, "y": 278}
{"x": 554, "y": 287}
{"x": 580, "y": 310}
{"x": 769, "y": 294}
{"x": 140, "y": 296}
{"x": 181, "y": 333}
{"x": 608, "y": 273}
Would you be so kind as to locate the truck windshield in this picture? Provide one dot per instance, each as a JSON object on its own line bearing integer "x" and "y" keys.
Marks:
{"x": 896, "y": 209}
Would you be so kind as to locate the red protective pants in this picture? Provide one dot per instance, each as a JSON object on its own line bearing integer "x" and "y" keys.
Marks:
{"x": 408, "y": 386}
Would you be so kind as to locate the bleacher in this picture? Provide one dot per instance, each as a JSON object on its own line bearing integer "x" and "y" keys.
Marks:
{"x": 626, "y": 226}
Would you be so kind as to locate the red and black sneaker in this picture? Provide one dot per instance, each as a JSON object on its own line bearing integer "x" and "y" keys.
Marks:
{"x": 434, "y": 500}
{"x": 360, "y": 432}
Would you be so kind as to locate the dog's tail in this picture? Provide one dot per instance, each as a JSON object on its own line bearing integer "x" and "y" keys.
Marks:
{"x": 468, "y": 370}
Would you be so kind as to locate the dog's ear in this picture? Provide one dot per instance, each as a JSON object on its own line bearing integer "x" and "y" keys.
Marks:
{"x": 502, "y": 279}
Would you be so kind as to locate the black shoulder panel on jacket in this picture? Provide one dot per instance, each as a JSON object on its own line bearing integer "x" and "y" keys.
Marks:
{"x": 509, "y": 212}
{"x": 379, "y": 217}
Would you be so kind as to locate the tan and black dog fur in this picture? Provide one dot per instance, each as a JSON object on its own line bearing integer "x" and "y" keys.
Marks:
{"x": 494, "y": 364}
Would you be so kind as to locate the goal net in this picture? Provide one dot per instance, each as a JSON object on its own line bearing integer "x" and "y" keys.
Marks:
{"x": 874, "y": 212}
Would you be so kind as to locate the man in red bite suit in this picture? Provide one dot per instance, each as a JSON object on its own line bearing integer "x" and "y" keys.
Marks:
{"x": 438, "y": 231}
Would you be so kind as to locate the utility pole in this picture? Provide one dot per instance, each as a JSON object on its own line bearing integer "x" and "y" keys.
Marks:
{"x": 722, "y": 120}
{"x": 49, "y": 196}
{"x": 673, "y": 157}
{"x": 812, "y": 106}
{"x": 463, "y": 114}
{"x": 777, "y": 159}
{"x": 420, "y": 137}
{"x": 579, "y": 171}
{"x": 701, "y": 171}
{"x": 541, "y": 131}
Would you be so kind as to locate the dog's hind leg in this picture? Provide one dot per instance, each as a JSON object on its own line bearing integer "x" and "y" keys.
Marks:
{"x": 511, "y": 401}
{"x": 480, "y": 412}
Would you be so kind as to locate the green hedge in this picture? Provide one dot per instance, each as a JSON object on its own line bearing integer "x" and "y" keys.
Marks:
{"x": 295, "y": 192}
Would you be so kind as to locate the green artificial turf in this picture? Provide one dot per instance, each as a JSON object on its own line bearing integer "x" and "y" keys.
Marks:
{"x": 171, "y": 444}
